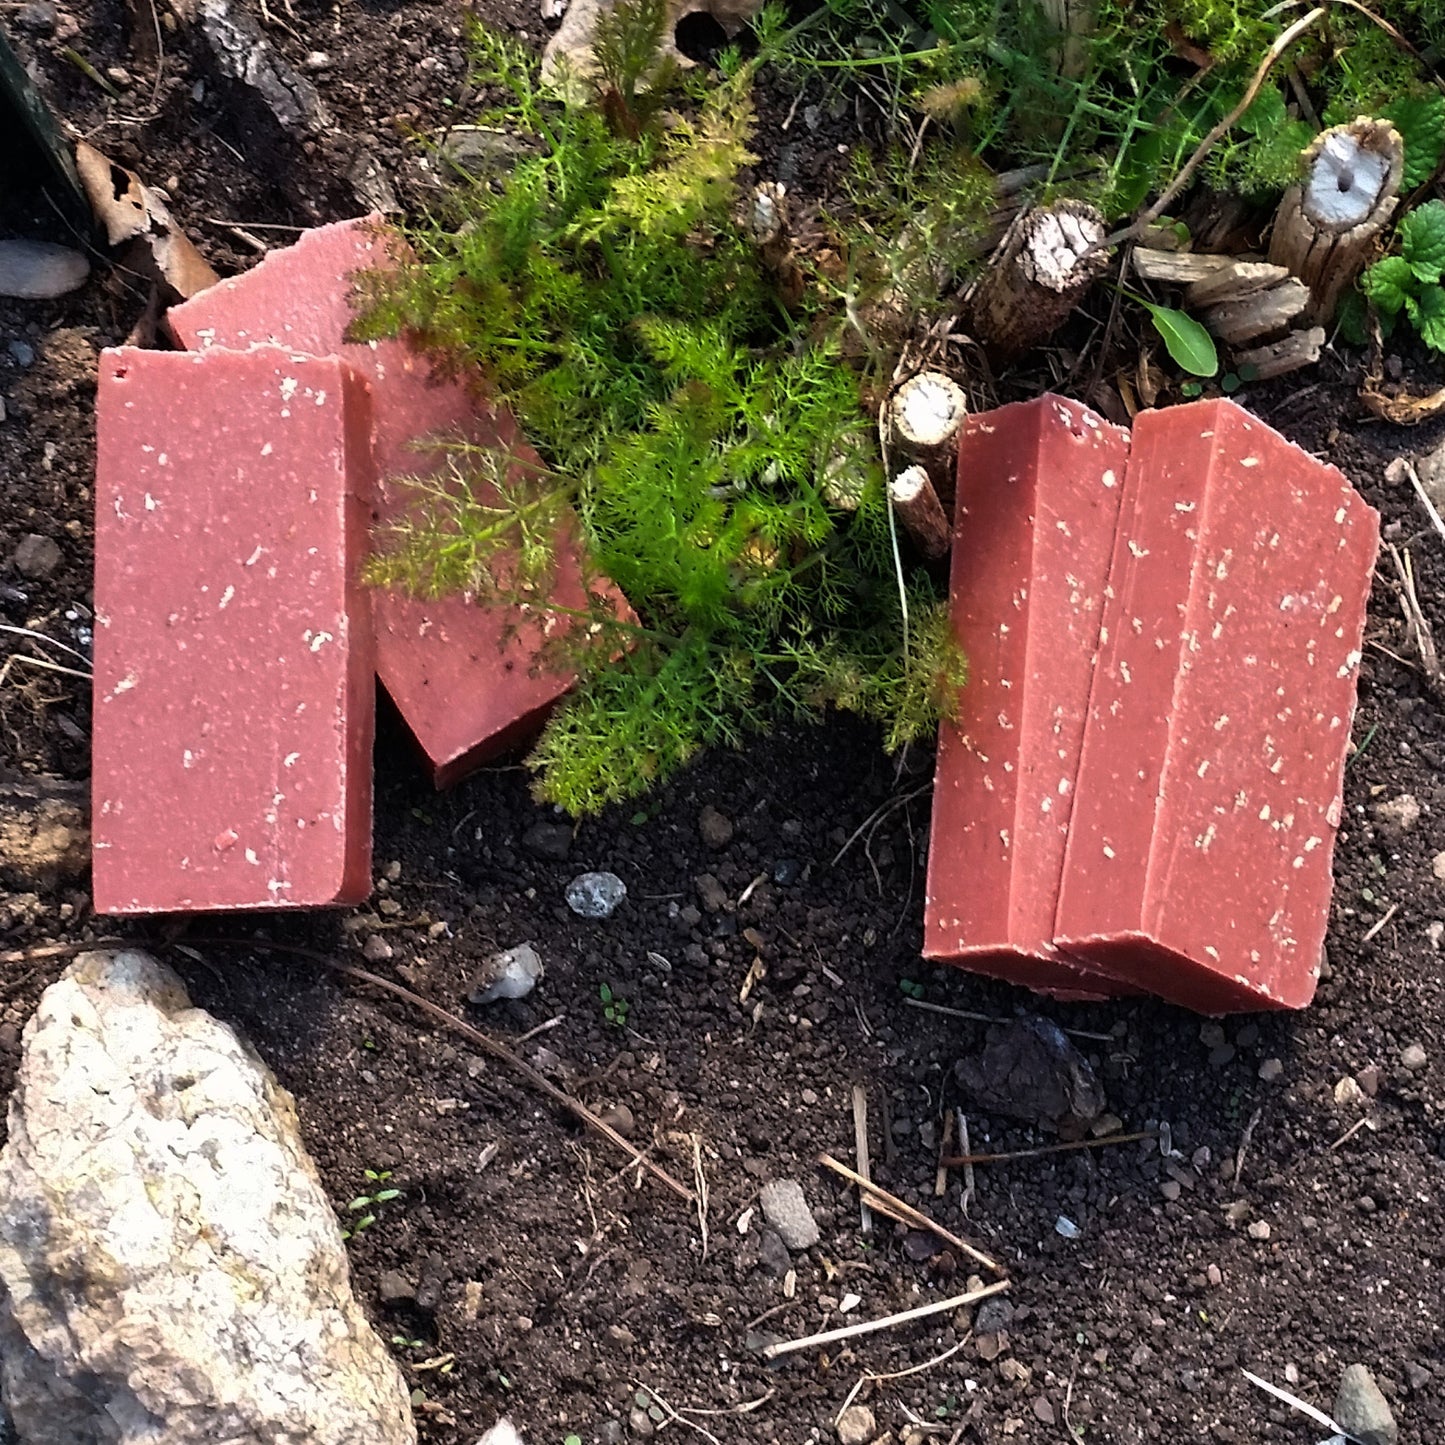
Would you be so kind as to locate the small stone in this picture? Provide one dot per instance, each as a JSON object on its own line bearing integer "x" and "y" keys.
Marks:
{"x": 856, "y": 1425}
{"x": 711, "y": 893}
{"x": 639, "y": 1422}
{"x": 1236, "y": 1213}
{"x": 1414, "y": 1058}
{"x": 994, "y": 1315}
{"x": 39, "y": 16}
{"x": 785, "y": 1207}
{"x": 1065, "y": 1228}
{"x": 620, "y": 1117}
{"x": 1247, "y": 1037}
{"x": 714, "y": 828}
{"x": 1219, "y": 1057}
{"x": 395, "y": 1288}
{"x": 119, "y": 75}
{"x": 1044, "y": 1410}
{"x": 1362, "y": 1411}
{"x": 1214, "y": 1275}
{"x": 551, "y": 841}
{"x": 471, "y": 1299}
{"x": 1291, "y": 1374}
{"x": 36, "y": 557}
{"x": 787, "y": 871}
{"x": 1259, "y": 1230}
{"x": 22, "y": 353}
{"x": 1170, "y": 1190}
{"x": 1398, "y": 815}
{"x": 510, "y": 973}
{"x": 1270, "y": 1070}
{"x": 1437, "y": 866}
{"x": 609, "y": 1432}
{"x": 773, "y": 1254}
{"x": 595, "y": 895}
{"x": 621, "y": 1335}
{"x": 376, "y": 949}
{"x": 39, "y": 271}
{"x": 1211, "y": 1035}
{"x": 1368, "y": 1079}
{"x": 316, "y": 60}
{"x": 1435, "y": 930}
{"x": 1349, "y": 1094}
{"x": 388, "y": 908}
{"x": 1015, "y": 1372}
{"x": 1417, "y": 1377}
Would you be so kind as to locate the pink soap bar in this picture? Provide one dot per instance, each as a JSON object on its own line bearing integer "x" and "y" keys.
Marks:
{"x": 1209, "y": 788}
{"x": 464, "y": 677}
{"x": 1039, "y": 485}
{"x": 234, "y": 692}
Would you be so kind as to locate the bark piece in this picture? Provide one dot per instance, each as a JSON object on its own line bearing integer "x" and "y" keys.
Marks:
{"x": 1178, "y": 268}
{"x": 920, "y": 511}
{"x": 1278, "y": 358}
{"x": 1264, "y": 314}
{"x": 924, "y": 415}
{"x": 1326, "y": 226}
{"x": 1039, "y": 484}
{"x": 170, "y": 1266}
{"x": 1208, "y": 790}
{"x": 467, "y": 679}
{"x": 233, "y": 692}
{"x": 1235, "y": 282}
{"x": 44, "y": 831}
{"x": 1046, "y": 266}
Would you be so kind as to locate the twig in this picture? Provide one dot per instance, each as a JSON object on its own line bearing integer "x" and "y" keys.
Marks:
{"x": 673, "y": 1414}
{"x": 1136, "y": 229}
{"x": 1384, "y": 918}
{"x": 869, "y": 1378}
{"x": 1243, "y": 1150}
{"x": 888, "y": 1322}
{"x": 485, "y": 1042}
{"x": 860, "y": 1145}
{"x": 1423, "y": 495}
{"x": 1295, "y": 1403}
{"x": 44, "y": 637}
{"x": 963, "y": 1013}
{"x": 1417, "y": 622}
{"x": 960, "y": 1160}
{"x": 940, "y": 1174}
{"x": 909, "y": 1214}
{"x": 1362, "y": 1123}
{"x": 540, "y": 1029}
{"x": 967, "y": 1168}
{"x": 59, "y": 950}
{"x": 878, "y": 815}
{"x": 699, "y": 1178}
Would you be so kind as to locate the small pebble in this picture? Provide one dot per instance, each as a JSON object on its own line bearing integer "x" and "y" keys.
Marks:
{"x": 39, "y": 16}
{"x": 1259, "y": 1230}
{"x": 1398, "y": 815}
{"x": 36, "y": 557}
{"x": 1066, "y": 1227}
{"x": 38, "y": 271}
{"x": 595, "y": 895}
{"x": 376, "y": 949}
{"x": 1414, "y": 1058}
{"x": 856, "y": 1425}
{"x": 1369, "y": 1079}
{"x": 1214, "y": 1275}
{"x": 786, "y": 1208}
{"x": 316, "y": 60}
{"x": 1348, "y": 1093}
{"x": 1362, "y": 1411}
{"x": 714, "y": 828}
{"x": 510, "y": 973}
{"x": 620, "y": 1117}
{"x": 786, "y": 872}
{"x": 1221, "y": 1056}
{"x": 22, "y": 353}
{"x": 639, "y": 1422}
{"x": 1270, "y": 1070}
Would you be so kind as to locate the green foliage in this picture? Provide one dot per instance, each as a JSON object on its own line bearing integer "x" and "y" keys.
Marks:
{"x": 366, "y": 1205}
{"x": 605, "y": 291}
{"x": 614, "y": 1007}
{"x": 1409, "y": 283}
{"x": 1420, "y": 119}
{"x": 1185, "y": 339}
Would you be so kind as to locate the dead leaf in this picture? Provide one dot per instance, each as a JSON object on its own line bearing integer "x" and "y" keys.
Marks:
{"x": 1403, "y": 410}
{"x": 132, "y": 212}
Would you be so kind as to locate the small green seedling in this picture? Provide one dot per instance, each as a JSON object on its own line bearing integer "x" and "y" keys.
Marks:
{"x": 1410, "y": 282}
{"x": 369, "y": 1202}
{"x": 406, "y": 1342}
{"x": 614, "y": 1007}
{"x": 910, "y": 988}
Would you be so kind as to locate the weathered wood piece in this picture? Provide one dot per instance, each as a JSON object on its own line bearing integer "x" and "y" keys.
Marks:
{"x": 924, "y": 415}
{"x": 1177, "y": 268}
{"x": 1264, "y": 314}
{"x": 1234, "y": 282}
{"x": 917, "y": 506}
{"x": 1325, "y": 228}
{"x": 1050, "y": 259}
{"x": 1277, "y": 358}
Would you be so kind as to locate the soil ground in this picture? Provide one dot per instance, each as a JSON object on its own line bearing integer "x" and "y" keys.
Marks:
{"x": 1135, "y": 1328}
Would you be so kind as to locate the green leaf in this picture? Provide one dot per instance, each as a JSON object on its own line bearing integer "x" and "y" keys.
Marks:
{"x": 1422, "y": 241}
{"x": 386, "y": 1196}
{"x": 1387, "y": 283}
{"x": 604, "y": 993}
{"x": 1420, "y": 119}
{"x": 1428, "y": 314}
{"x": 362, "y": 1201}
{"x": 1351, "y": 317}
{"x": 1185, "y": 339}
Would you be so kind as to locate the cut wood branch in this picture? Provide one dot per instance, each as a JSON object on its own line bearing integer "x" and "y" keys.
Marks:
{"x": 860, "y": 1150}
{"x": 1235, "y": 282}
{"x": 1326, "y": 226}
{"x": 888, "y": 1322}
{"x": 887, "y": 1203}
{"x": 1176, "y": 268}
{"x": 916, "y": 503}
{"x": 1049, "y": 260}
{"x": 925, "y": 413}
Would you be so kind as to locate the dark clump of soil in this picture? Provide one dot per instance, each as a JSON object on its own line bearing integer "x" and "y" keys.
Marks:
{"x": 1284, "y": 1232}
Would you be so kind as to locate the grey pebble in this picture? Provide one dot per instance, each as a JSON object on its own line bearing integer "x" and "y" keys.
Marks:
{"x": 38, "y": 271}
{"x": 1362, "y": 1411}
{"x": 714, "y": 828}
{"x": 785, "y": 1207}
{"x": 1414, "y": 1058}
{"x": 395, "y": 1288}
{"x": 36, "y": 557}
{"x": 595, "y": 895}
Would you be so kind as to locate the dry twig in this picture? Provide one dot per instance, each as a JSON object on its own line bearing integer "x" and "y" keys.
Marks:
{"x": 888, "y": 1322}
{"x": 485, "y": 1042}
{"x": 962, "y": 1160}
{"x": 860, "y": 1145}
{"x": 887, "y": 1203}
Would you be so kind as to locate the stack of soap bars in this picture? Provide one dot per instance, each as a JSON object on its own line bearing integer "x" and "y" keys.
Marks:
{"x": 236, "y": 485}
{"x": 1141, "y": 789}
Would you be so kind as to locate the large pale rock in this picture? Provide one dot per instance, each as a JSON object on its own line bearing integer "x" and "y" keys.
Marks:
{"x": 170, "y": 1268}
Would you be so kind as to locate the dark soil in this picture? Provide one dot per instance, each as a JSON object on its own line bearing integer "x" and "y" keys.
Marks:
{"x": 592, "y": 1287}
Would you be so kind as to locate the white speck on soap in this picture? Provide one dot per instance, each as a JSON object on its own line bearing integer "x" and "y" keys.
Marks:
{"x": 1108, "y": 851}
{"x": 1136, "y": 550}
{"x": 266, "y": 450}
{"x": 1352, "y": 661}
{"x": 151, "y": 503}
{"x": 288, "y": 388}
{"x": 162, "y": 460}
{"x": 125, "y": 684}
{"x": 1221, "y": 722}
{"x": 254, "y": 557}
{"x": 226, "y": 596}
{"x": 320, "y": 398}
{"x": 320, "y": 640}
{"x": 1249, "y": 461}
{"x": 1109, "y": 479}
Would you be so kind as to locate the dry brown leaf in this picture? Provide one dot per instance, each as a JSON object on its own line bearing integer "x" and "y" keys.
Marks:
{"x": 131, "y": 211}
{"x": 1403, "y": 410}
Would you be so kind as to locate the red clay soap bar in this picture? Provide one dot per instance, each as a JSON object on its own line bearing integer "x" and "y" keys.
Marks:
{"x": 1039, "y": 486}
{"x": 463, "y": 676}
{"x": 1209, "y": 787}
{"x": 234, "y": 691}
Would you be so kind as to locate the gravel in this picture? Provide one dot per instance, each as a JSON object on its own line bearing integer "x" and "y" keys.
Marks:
{"x": 785, "y": 1207}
